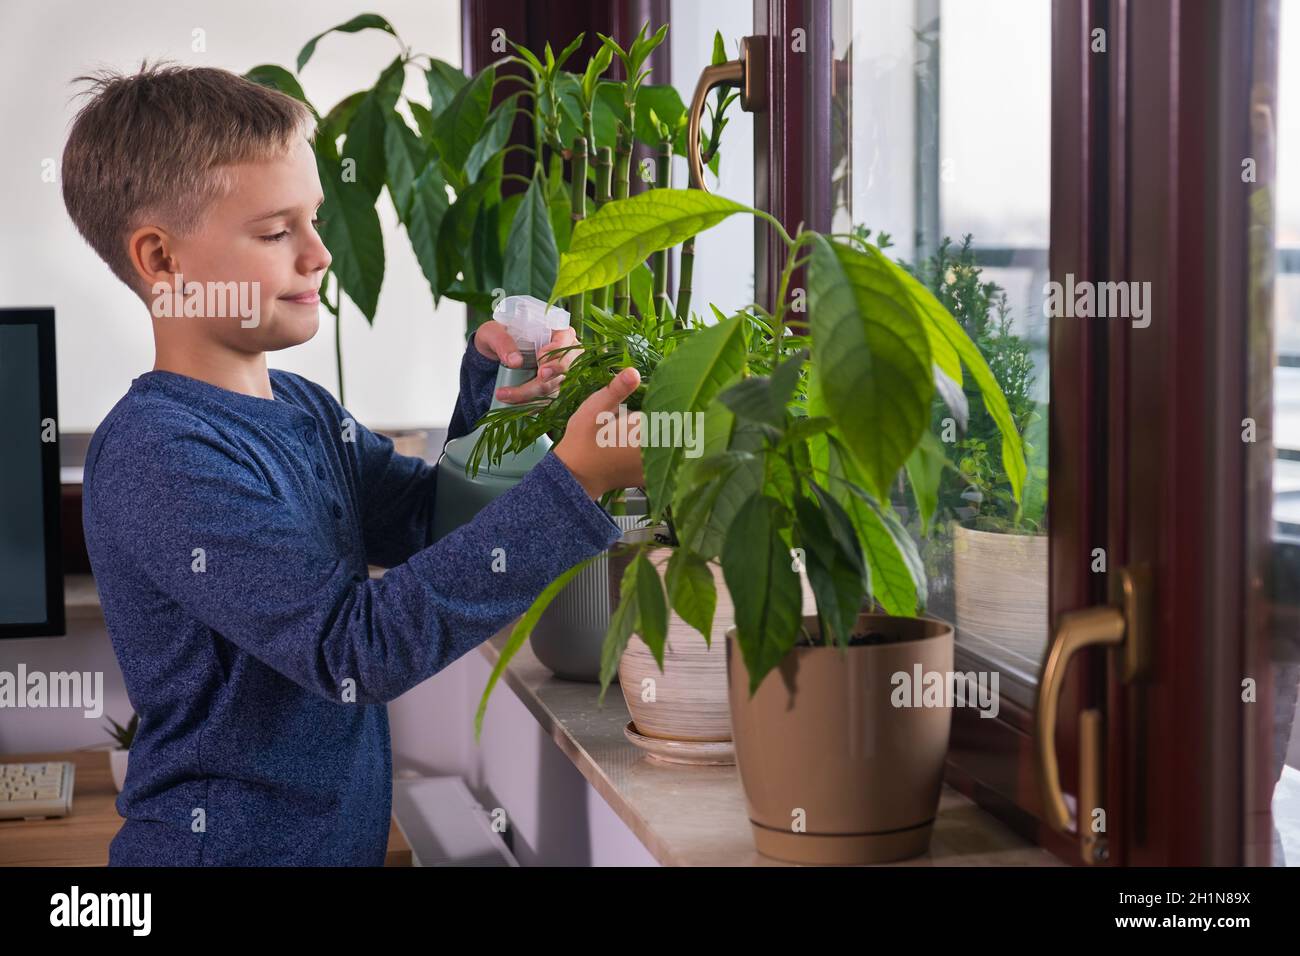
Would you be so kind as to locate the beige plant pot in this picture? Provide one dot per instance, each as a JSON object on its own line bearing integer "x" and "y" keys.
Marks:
{"x": 833, "y": 772}
{"x": 688, "y": 700}
{"x": 1000, "y": 590}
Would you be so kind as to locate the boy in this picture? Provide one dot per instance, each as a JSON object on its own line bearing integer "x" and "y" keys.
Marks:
{"x": 230, "y": 511}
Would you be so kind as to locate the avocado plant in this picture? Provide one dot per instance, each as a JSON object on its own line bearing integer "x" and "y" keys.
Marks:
{"x": 478, "y": 231}
{"x": 807, "y": 426}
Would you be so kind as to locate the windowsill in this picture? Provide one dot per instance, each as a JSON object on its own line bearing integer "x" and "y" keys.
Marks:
{"x": 696, "y": 816}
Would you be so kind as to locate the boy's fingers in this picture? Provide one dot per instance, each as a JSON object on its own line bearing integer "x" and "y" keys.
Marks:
{"x": 497, "y": 338}
{"x": 622, "y": 385}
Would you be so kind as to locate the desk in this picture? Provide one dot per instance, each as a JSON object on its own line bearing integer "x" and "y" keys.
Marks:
{"x": 82, "y": 837}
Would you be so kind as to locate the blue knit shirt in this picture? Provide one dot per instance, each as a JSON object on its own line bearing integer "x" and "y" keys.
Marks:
{"x": 229, "y": 537}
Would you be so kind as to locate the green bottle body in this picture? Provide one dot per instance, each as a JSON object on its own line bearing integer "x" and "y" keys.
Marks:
{"x": 459, "y": 497}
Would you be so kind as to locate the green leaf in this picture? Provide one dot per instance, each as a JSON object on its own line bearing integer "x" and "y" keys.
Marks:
{"x": 596, "y": 68}
{"x": 423, "y": 122}
{"x": 520, "y": 633}
{"x": 1013, "y": 452}
{"x": 606, "y": 111}
{"x": 622, "y": 622}
{"x": 428, "y": 207}
{"x": 641, "y": 287}
{"x": 444, "y": 81}
{"x": 558, "y": 204}
{"x": 352, "y": 234}
{"x": 278, "y": 78}
{"x": 652, "y": 610}
{"x": 457, "y": 128}
{"x": 924, "y": 469}
{"x": 683, "y": 385}
{"x": 896, "y": 573}
{"x": 486, "y": 251}
{"x": 458, "y": 226}
{"x": 405, "y": 158}
{"x": 336, "y": 122}
{"x": 366, "y": 21}
{"x": 835, "y": 565}
{"x": 566, "y": 117}
{"x": 875, "y": 356}
{"x": 667, "y": 105}
{"x": 765, "y": 587}
{"x": 719, "y": 50}
{"x": 569, "y": 50}
{"x": 531, "y": 256}
{"x": 367, "y": 129}
{"x": 692, "y": 591}
{"x": 703, "y": 509}
{"x": 506, "y": 217}
{"x": 624, "y": 233}
{"x": 753, "y": 399}
{"x": 496, "y": 133}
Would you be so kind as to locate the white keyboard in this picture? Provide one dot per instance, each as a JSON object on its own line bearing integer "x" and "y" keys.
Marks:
{"x": 29, "y": 791}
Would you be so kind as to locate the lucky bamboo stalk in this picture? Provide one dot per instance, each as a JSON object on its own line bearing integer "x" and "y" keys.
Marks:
{"x": 578, "y": 202}
{"x": 687, "y": 266}
{"x": 604, "y": 179}
{"x": 622, "y": 181}
{"x": 659, "y": 261}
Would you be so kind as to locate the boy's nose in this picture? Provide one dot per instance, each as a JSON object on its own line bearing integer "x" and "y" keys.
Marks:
{"x": 317, "y": 258}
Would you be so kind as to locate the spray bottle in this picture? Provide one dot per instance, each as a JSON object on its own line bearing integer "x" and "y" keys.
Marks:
{"x": 460, "y": 497}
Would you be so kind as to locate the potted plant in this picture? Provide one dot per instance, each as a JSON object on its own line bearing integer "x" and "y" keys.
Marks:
{"x": 589, "y": 126}
{"x": 804, "y": 436}
{"x": 998, "y": 543}
{"x": 117, "y": 757}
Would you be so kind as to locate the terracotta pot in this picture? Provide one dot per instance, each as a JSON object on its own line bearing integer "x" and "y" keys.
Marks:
{"x": 833, "y": 772}
{"x": 1000, "y": 591}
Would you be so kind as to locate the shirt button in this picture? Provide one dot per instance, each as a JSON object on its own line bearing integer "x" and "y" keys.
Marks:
{"x": 311, "y": 437}
{"x": 338, "y": 510}
{"x": 320, "y": 472}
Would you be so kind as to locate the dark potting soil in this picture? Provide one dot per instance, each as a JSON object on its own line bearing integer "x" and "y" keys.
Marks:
{"x": 858, "y": 639}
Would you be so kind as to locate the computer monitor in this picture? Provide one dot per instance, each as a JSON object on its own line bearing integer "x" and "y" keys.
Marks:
{"x": 31, "y": 552}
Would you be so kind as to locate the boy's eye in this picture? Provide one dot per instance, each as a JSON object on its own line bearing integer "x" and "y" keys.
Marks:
{"x": 318, "y": 222}
{"x": 277, "y": 237}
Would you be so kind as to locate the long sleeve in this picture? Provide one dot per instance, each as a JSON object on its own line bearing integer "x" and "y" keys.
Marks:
{"x": 250, "y": 557}
{"x": 478, "y": 375}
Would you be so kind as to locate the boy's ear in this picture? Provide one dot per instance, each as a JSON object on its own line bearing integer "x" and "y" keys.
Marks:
{"x": 150, "y": 250}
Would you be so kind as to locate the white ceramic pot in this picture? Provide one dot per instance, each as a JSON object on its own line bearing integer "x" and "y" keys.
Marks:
{"x": 1000, "y": 586}
{"x": 117, "y": 764}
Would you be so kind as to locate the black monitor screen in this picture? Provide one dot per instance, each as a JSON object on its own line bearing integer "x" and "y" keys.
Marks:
{"x": 30, "y": 602}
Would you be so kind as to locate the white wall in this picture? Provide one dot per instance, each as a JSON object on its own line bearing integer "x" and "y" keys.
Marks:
{"x": 401, "y": 372}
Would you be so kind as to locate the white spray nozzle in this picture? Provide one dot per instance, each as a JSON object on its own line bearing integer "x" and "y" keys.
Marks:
{"x": 529, "y": 320}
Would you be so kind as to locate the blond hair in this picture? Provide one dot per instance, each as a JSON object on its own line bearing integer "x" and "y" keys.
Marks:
{"x": 152, "y": 147}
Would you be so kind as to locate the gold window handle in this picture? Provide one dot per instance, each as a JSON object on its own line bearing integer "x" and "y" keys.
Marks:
{"x": 1125, "y": 625}
{"x": 749, "y": 73}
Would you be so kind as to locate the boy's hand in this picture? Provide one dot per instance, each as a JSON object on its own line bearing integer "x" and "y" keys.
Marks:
{"x": 600, "y": 468}
{"x": 493, "y": 340}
